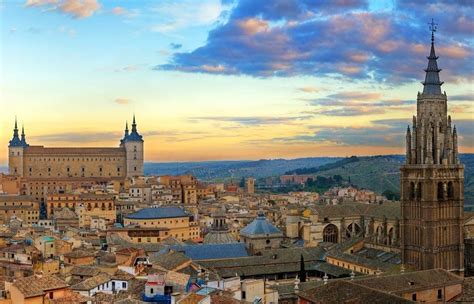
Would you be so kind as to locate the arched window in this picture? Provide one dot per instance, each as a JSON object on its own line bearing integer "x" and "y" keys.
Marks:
{"x": 330, "y": 234}
{"x": 412, "y": 190}
{"x": 419, "y": 191}
{"x": 390, "y": 237}
{"x": 352, "y": 230}
{"x": 440, "y": 191}
{"x": 450, "y": 190}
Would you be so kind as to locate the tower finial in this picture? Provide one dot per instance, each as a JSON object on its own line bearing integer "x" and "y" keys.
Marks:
{"x": 432, "y": 84}
{"x": 433, "y": 28}
{"x": 16, "y": 124}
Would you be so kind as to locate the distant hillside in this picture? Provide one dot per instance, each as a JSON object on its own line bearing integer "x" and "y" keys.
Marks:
{"x": 380, "y": 173}
{"x": 221, "y": 170}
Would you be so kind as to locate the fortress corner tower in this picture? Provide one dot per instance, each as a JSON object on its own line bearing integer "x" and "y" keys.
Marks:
{"x": 432, "y": 182}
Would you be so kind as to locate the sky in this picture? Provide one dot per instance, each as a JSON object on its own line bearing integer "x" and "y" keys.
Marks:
{"x": 223, "y": 79}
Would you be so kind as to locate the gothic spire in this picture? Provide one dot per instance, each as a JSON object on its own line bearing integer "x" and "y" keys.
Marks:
{"x": 15, "y": 142}
{"x": 23, "y": 137}
{"x": 126, "y": 128}
{"x": 134, "y": 124}
{"x": 432, "y": 84}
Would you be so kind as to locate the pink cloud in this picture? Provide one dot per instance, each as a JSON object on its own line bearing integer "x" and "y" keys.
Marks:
{"x": 253, "y": 26}
{"x": 74, "y": 8}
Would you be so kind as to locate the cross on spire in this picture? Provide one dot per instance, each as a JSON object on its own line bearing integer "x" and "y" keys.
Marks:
{"x": 433, "y": 28}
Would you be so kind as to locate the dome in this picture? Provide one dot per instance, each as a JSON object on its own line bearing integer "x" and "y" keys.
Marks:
{"x": 219, "y": 237}
{"x": 260, "y": 226}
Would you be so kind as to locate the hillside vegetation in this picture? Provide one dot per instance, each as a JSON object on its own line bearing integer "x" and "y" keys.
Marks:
{"x": 226, "y": 170}
{"x": 382, "y": 173}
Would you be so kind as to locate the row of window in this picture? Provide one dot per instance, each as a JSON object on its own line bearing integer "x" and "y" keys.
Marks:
{"x": 71, "y": 159}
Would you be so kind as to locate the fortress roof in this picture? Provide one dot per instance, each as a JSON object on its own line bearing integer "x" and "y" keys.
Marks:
{"x": 73, "y": 151}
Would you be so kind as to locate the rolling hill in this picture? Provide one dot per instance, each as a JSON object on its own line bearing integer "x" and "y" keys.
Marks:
{"x": 380, "y": 173}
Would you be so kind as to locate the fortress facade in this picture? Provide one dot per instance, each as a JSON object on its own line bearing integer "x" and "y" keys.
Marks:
{"x": 39, "y": 162}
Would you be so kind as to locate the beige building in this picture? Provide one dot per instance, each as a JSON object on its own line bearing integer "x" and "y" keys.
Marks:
{"x": 86, "y": 206}
{"x": 58, "y": 162}
{"x": 250, "y": 185}
{"x": 21, "y": 207}
{"x": 183, "y": 188}
{"x": 167, "y": 221}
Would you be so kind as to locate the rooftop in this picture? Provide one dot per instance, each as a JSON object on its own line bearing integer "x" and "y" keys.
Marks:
{"x": 260, "y": 226}
{"x": 36, "y": 285}
{"x": 347, "y": 292}
{"x": 157, "y": 213}
{"x": 92, "y": 282}
{"x": 212, "y": 251}
{"x": 411, "y": 281}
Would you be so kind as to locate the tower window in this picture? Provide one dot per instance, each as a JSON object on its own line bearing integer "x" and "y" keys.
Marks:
{"x": 419, "y": 191}
{"x": 412, "y": 190}
{"x": 440, "y": 191}
{"x": 450, "y": 190}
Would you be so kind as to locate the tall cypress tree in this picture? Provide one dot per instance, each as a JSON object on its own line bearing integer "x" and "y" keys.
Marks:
{"x": 302, "y": 270}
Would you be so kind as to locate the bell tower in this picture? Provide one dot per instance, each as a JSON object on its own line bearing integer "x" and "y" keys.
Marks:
{"x": 432, "y": 182}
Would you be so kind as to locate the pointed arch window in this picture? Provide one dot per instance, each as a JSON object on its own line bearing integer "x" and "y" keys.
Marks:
{"x": 440, "y": 191}
{"x": 412, "y": 190}
{"x": 450, "y": 190}
{"x": 419, "y": 191}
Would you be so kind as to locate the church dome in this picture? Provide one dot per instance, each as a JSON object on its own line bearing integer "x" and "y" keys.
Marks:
{"x": 219, "y": 237}
{"x": 260, "y": 226}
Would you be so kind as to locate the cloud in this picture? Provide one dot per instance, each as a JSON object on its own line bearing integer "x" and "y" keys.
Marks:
{"x": 350, "y": 111}
{"x": 122, "y": 101}
{"x": 78, "y": 137}
{"x": 292, "y": 38}
{"x": 308, "y": 89}
{"x": 175, "y": 46}
{"x": 74, "y": 8}
{"x": 251, "y": 120}
{"x": 174, "y": 16}
{"x": 128, "y": 68}
{"x": 462, "y": 97}
{"x": 357, "y": 103}
{"x": 118, "y": 10}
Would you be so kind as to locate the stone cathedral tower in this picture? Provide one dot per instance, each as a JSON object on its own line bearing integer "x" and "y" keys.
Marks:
{"x": 432, "y": 182}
